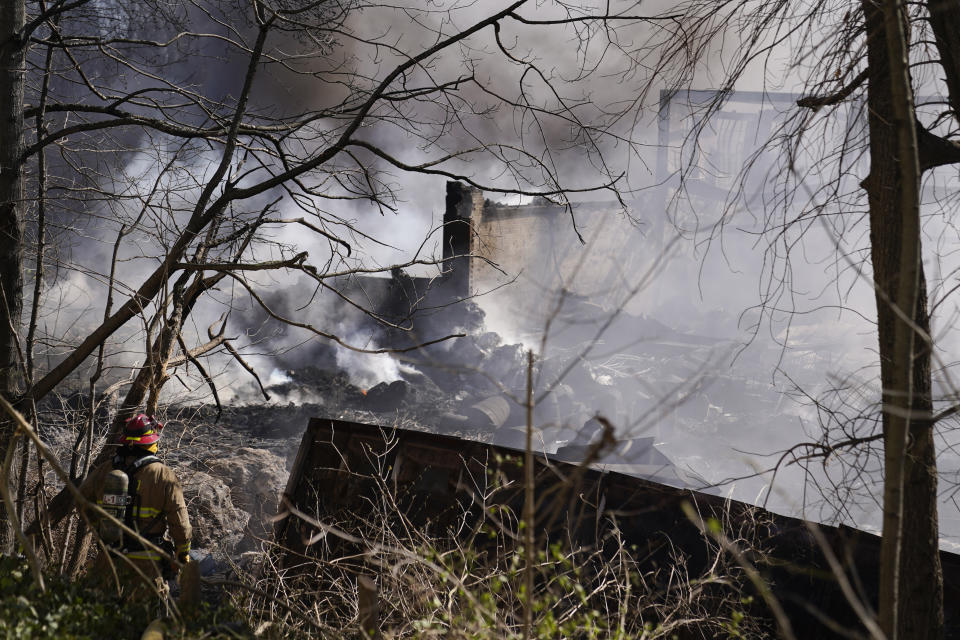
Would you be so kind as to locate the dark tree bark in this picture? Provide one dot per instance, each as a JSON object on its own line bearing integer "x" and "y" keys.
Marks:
{"x": 12, "y": 76}
{"x": 914, "y": 605}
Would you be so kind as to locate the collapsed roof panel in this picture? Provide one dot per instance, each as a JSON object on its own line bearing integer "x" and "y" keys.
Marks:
{"x": 344, "y": 469}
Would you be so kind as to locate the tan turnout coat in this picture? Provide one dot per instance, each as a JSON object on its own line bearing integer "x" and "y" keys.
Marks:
{"x": 160, "y": 508}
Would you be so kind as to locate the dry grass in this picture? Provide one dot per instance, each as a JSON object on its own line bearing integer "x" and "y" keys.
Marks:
{"x": 468, "y": 580}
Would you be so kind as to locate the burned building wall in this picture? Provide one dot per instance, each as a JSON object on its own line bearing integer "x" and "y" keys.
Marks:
{"x": 522, "y": 257}
{"x": 463, "y": 205}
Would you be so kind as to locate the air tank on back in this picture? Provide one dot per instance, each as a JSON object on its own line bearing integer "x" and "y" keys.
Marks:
{"x": 114, "y": 502}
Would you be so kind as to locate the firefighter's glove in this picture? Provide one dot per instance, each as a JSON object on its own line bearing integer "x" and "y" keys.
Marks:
{"x": 176, "y": 565}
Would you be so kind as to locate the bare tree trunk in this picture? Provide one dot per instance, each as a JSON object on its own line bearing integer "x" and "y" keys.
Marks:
{"x": 12, "y": 72}
{"x": 911, "y": 589}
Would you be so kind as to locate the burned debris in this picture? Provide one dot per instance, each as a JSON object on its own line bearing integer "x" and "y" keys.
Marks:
{"x": 602, "y": 354}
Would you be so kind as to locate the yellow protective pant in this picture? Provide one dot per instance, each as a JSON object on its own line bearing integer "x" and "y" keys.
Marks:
{"x": 131, "y": 576}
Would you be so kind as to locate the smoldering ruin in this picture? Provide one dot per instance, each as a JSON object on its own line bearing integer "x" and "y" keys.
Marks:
{"x": 454, "y": 271}
{"x": 451, "y": 381}
{"x": 459, "y": 402}
{"x": 472, "y": 385}
{"x": 455, "y": 414}
{"x": 586, "y": 283}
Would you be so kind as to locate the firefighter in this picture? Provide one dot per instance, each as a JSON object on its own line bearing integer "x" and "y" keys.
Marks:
{"x": 153, "y": 504}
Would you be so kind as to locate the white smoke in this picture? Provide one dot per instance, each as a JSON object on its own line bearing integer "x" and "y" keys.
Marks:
{"x": 277, "y": 378}
{"x": 367, "y": 369}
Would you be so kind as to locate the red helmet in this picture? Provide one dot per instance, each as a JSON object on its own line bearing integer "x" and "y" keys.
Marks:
{"x": 141, "y": 430}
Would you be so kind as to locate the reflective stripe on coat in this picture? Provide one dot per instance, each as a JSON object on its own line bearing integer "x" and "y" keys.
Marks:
{"x": 161, "y": 506}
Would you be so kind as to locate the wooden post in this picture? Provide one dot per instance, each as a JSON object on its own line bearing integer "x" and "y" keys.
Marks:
{"x": 368, "y": 606}
{"x": 189, "y": 588}
{"x": 528, "y": 508}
